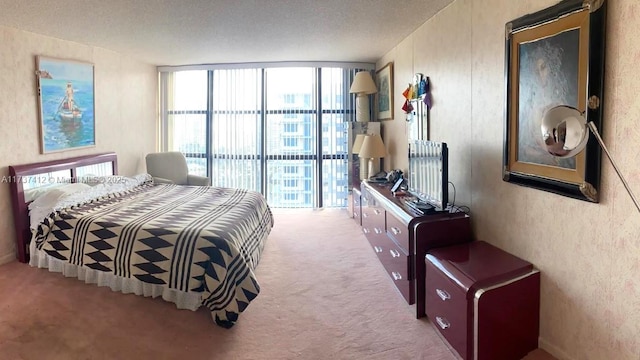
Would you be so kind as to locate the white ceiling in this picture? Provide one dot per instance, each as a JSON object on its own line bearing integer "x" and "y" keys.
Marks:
{"x": 184, "y": 32}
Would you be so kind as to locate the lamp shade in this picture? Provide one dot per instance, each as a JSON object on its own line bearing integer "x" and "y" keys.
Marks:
{"x": 357, "y": 143}
{"x": 372, "y": 147}
{"x": 363, "y": 84}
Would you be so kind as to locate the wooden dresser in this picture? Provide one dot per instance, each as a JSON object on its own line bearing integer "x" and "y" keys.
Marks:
{"x": 484, "y": 301}
{"x": 401, "y": 238}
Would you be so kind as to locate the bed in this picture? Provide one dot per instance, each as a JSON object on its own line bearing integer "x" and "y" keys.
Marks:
{"x": 191, "y": 245}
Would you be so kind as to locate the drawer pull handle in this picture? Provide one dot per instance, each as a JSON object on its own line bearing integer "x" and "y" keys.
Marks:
{"x": 377, "y": 249}
{"x": 355, "y": 214}
{"x": 395, "y": 230}
{"x": 365, "y": 230}
{"x": 376, "y": 211}
{"x": 394, "y": 253}
{"x": 364, "y": 215}
{"x": 442, "y": 322}
{"x": 396, "y": 275}
{"x": 377, "y": 231}
{"x": 443, "y": 295}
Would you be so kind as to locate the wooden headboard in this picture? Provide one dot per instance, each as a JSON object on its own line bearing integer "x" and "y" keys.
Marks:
{"x": 20, "y": 174}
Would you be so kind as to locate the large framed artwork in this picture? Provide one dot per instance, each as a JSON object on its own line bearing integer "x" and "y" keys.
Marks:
{"x": 384, "y": 82}
{"x": 554, "y": 57}
{"x": 66, "y": 103}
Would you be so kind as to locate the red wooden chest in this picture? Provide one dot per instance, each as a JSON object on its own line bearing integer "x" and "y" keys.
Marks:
{"x": 484, "y": 301}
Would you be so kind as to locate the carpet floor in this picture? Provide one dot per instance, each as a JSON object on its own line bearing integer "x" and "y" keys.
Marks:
{"x": 323, "y": 295}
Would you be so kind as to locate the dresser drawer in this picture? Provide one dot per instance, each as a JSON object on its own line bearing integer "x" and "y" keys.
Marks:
{"x": 373, "y": 221}
{"x": 395, "y": 260}
{"x": 356, "y": 210}
{"x": 356, "y": 206}
{"x": 446, "y": 307}
{"x": 372, "y": 224}
{"x": 378, "y": 241}
{"x": 398, "y": 231}
{"x": 396, "y": 263}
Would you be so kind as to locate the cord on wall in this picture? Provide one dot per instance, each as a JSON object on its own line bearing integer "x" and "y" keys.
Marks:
{"x": 453, "y": 208}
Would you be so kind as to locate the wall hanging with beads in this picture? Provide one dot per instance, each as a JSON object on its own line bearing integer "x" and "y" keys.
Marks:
{"x": 416, "y": 107}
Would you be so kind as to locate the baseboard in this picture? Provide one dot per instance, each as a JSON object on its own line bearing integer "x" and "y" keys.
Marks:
{"x": 553, "y": 350}
{"x": 7, "y": 259}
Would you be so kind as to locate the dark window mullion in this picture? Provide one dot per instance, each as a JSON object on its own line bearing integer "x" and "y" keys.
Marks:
{"x": 209, "y": 127}
{"x": 319, "y": 153}
{"x": 263, "y": 135}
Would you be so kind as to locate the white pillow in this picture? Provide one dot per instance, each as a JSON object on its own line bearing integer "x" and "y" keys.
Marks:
{"x": 32, "y": 194}
{"x": 77, "y": 193}
{"x": 53, "y": 195}
{"x": 88, "y": 179}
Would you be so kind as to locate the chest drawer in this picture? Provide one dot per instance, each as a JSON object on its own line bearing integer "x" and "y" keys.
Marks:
{"x": 396, "y": 263}
{"x": 355, "y": 207}
{"x": 398, "y": 231}
{"x": 483, "y": 300}
{"x": 446, "y": 307}
{"x": 394, "y": 260}
{"x": 373, "y": 222}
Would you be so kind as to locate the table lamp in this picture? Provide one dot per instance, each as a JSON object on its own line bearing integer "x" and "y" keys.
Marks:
{"x": 363, "y": 86}
{"x": 373, "y": 149}
{"x": 357, "y": 145}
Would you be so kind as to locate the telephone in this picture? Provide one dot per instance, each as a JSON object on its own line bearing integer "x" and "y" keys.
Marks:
{"x": 394, "y": 175}
{"x": 384, "y": 177}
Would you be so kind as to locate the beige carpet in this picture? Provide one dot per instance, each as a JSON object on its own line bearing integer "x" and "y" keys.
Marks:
{"x": 324, "y": 296}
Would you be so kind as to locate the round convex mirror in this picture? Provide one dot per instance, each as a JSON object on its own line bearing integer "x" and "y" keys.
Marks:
{"x": 564, "y": 131}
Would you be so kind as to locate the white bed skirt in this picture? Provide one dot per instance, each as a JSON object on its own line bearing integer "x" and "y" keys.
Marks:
{"x": 183, "y": 300}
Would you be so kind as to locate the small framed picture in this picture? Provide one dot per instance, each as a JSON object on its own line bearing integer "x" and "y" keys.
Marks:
{"x": 384, "y": 82}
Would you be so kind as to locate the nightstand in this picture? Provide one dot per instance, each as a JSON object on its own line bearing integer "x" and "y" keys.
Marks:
{"x": 484, "y": 301}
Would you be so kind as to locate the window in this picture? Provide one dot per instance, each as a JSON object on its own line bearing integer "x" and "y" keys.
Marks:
{"x": 259, "y": 129}
{"x": 290, "y": 183}
{"x": 290, "y": 128}
{"x": 289, "y": 99}
{"x": 290, "y": 142}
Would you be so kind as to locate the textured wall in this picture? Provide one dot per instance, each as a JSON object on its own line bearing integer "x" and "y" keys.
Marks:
{"x": 446, "y": 60}
{"x": 588, "y": 254}
{"x": 125, "y": 110}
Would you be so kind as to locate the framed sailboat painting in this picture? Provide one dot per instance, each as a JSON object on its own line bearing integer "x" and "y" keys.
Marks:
{"x": 66, "y": 104}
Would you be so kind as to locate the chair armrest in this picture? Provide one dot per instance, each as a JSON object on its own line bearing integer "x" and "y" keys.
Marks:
{"x": 196, "y": 180}
{"x": 159, "y": 180}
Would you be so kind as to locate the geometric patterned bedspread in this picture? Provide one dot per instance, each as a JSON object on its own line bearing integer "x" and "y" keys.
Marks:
{"x": 190, "y": 238}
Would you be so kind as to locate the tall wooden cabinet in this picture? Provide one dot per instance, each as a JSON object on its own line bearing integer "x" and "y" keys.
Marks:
{"x": 401, "y": 238}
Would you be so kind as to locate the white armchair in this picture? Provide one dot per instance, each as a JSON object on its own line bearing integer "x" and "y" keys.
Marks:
{"x": 171, "y": 168}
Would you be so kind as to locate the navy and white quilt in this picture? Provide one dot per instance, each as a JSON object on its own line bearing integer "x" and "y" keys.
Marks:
{"x": 193, "y": 239}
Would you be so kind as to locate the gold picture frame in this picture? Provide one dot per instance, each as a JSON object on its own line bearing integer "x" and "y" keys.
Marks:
{"x": 384, "y": 98}
{"x": 553, "y": 57}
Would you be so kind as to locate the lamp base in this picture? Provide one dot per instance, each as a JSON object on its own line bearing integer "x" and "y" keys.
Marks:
{"x": 364, "y": 169}
{"x": 362, "y": 108}
{"x": 373, "y": 168}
